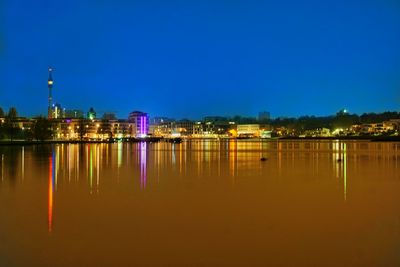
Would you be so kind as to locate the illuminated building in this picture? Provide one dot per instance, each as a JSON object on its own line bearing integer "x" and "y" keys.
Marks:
{"x": 91, "y": 115}
{"x": 161, "y": 126}
{"x": 250, "y": 130}
{"x": 174, "y": 128}
{"x": 76, "y": 129}
{"x": 141, "y": 121}
{"x": 22, "y": 123}
{"x": 122, "y": 129}
{"x": 183, "y": 127}
{"x": 213, "y": 129}
{"x": 395, "y": 123}
{"x": 319, "y": 132}
{"x": 376, "y": 128}
{"x": 163, "y": 129}
{"x": 57, "y": 111}
{"x": 160, "y": 120}
{"x": 50, "y": 98}
{"x": 198, "y": 129}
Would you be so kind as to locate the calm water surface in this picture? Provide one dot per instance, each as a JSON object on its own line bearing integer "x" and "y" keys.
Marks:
{"x": 201, "y": 203}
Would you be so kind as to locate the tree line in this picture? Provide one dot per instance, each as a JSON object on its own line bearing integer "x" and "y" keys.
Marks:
{"x": 340, "y": 120}
{"x": 41, "y": 128}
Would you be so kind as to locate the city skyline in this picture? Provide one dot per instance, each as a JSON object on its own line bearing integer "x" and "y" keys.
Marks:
{"x": 192, "y": 60}
{"x": 53, "y": 106}
{"x": 199, "y": 133}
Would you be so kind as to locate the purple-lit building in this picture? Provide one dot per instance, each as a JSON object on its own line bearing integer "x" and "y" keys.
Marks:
{"x": 141, "y": 121}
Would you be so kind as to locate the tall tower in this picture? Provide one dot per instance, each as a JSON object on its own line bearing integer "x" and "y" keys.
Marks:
{"x": 50, "y": 86}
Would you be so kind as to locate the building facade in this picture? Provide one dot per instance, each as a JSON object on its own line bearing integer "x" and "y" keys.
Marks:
{"x": 248, "y": 130}
{"x": 141, "y": 121}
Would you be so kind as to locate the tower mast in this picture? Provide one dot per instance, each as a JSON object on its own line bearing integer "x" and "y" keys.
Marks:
{"x": 50, "y": 86}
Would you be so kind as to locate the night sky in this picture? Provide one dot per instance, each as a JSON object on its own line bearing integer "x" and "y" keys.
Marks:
{"x": 189, "y": 59}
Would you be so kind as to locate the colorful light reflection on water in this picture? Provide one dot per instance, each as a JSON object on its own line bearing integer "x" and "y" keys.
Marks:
{"x": 201, "y": 202}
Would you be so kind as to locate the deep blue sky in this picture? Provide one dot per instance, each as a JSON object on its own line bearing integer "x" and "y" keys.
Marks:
{"x": 196, "y": 58}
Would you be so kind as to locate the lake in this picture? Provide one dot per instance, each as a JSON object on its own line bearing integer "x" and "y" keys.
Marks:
{"x": 201, "y": 203}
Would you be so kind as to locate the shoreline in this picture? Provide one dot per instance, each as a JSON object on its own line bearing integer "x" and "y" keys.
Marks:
{"x": 151, "y": 140}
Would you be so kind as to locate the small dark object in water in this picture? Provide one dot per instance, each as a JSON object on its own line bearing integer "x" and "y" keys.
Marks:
{"x": 175, "y": 140}
{"x": 263, "y": 159}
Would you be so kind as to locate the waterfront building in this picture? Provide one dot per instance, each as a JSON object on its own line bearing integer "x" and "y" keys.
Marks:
{"x": 208, "y": 128}
{"x": 114, "y": 129}
{"x": 319, "y": 132}
{"x": 75, "y": 129}
{"x": 183, "y": 127}
{"x": 141, "y": 121}
{"x": 265, "y": 133}
{"x": 198, "y": 129}
{"x": 123, "y": 129}
{"x": 153, "y": 130}
{"x": 161, "y": 126}
{"x": 222, "y": 128}
{"x": 64, "y": 129}
{"x": 160, "y": 130}
{"x": 248, "y": 130}
{"x": 91, "y": 129}
{"x": 394, "y": 123}
{"x": 24, "y": 124}
{"x": 377, "y": 128}
{"x": 160, "y": 120}
{"x": 213, "y": 126}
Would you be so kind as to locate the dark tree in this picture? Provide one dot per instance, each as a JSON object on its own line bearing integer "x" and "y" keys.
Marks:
{"x": 82, "y": 128}
{"x": 344, "y": 120}
{"x": 105, "y": 128}
{"x": 10, "y": 124}
{"x": 2, "y": 130}
{"x": 42, "y": 129}
{"x": 12, "y": 112}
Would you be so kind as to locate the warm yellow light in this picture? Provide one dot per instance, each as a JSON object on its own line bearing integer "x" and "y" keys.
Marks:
{"x": 50, "y": 82}
{"x": 233, "y": 132}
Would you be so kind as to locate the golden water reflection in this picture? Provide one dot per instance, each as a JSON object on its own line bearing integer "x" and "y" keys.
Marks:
{"x": 211, "y": 197}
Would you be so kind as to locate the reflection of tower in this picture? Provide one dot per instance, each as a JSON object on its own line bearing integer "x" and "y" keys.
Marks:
{"x": 50, "y": 195}
{"x": 50, "y": 86}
